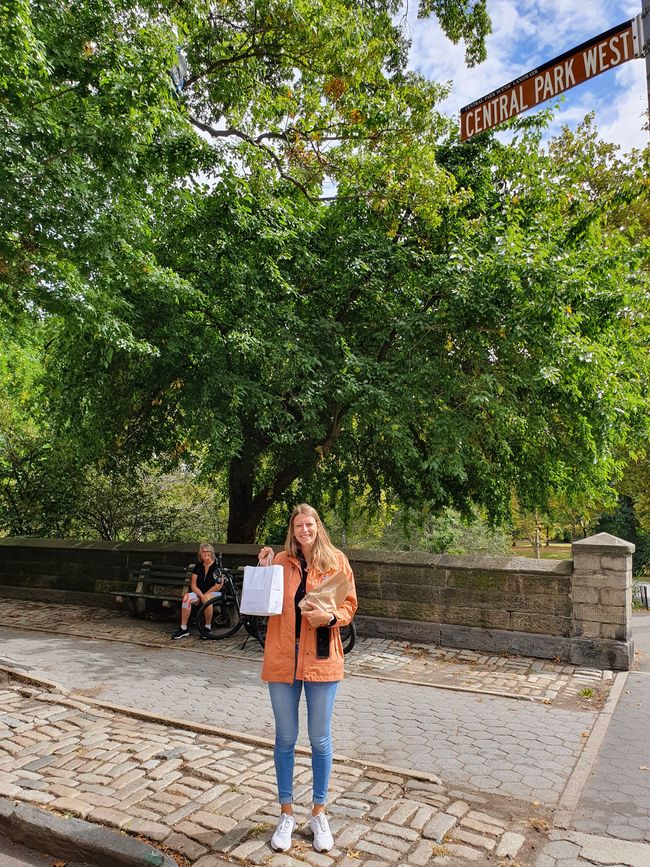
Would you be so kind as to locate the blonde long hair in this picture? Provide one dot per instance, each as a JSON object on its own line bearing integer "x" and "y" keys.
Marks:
{"x": 324, "y": 556}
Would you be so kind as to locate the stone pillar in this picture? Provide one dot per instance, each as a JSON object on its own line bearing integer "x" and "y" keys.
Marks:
{"x": 601, "y": 593}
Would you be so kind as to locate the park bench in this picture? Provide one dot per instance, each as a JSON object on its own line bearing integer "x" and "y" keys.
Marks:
{"x": 158, "y": 583}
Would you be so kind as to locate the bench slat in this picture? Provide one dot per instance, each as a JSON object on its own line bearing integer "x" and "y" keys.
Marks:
{"x": 153, "y": 579}
{"x": 149, "y": 595}
{"x": 149, "y": 575}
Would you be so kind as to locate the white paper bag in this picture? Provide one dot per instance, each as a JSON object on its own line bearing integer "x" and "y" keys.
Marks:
{"x": 263, "y": 590}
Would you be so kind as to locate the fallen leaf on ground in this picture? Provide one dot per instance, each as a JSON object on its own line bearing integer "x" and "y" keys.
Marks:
{"x": 538, "y": 824}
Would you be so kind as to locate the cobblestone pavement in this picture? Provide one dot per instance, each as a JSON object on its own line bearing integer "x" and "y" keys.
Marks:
{"x": 487, "y": 743}
{"x": 209, "y": 798}
{"x": 616, "y": 798}
{"x": 468, "y": 670}
{"x": 574, "y": 849}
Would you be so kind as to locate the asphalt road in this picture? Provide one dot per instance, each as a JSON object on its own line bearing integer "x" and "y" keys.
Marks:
{"x": 14, "y": 855}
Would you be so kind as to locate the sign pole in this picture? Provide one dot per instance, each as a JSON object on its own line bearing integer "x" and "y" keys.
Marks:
{"x": 645, "y": 49}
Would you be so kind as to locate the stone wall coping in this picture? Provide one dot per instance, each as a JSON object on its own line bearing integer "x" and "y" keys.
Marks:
{"x": 603, "y": 543}
{"x": 370, "y": 556}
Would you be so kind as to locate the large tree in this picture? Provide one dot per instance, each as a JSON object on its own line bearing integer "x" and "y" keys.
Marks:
{"x": 323, "y": 290}
{"x": 448, "y": 349}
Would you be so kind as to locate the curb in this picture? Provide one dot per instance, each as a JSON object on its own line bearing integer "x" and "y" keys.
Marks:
{"x": 39, "y": 681}
{"x": 76, "y": 840}
{"x": 573, "y": 789}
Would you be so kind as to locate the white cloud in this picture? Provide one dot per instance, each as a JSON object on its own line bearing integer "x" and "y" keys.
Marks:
{"x": 527, "y": 33}
{"x": 624, "y": 117}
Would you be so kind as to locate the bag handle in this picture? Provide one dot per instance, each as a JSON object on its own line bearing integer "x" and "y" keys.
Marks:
{"x": 269, "y": 561}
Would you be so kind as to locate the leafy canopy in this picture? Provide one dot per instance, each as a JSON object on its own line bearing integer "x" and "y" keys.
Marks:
{"x": 291, "y": 271}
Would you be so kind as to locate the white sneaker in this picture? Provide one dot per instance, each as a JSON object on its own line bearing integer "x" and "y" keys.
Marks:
{"x": 281, "y": 839}
{"x": 323, "y": 840}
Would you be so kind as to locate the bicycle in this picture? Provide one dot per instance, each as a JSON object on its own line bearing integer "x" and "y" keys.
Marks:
{"x": 227, "y": 618}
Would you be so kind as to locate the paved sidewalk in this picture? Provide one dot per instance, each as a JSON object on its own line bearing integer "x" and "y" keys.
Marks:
{"x": 482, "y": 772}
{"x": 207, "y": 798}
{"x": 466, "y": 670}
{"x": 616, "y": 798}
{"x": 488, "y": 743}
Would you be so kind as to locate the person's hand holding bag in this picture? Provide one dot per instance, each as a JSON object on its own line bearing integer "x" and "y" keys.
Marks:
{"x": 320, "y": 605}
{"x": 263, "y": 588}
{"x": 313, "y": 615}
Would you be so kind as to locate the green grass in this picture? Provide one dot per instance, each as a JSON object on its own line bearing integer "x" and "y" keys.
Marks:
{"x": 554, "y": 551}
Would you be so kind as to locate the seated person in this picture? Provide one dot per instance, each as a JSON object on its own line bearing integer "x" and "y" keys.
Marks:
{"x": 204, "y": 585}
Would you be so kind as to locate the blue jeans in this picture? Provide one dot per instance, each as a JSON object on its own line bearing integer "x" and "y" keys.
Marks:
{"x": 285, "y": 698}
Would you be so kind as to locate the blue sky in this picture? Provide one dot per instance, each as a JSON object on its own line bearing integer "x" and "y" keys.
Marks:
{"x": 526, "y": 33}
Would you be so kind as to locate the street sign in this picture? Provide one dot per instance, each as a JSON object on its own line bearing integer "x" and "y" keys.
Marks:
{"x": 605, "y": 51}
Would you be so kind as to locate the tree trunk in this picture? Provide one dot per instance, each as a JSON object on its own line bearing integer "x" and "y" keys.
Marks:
{"x": 246, "y": 510}
{"x": 240, "y": 503}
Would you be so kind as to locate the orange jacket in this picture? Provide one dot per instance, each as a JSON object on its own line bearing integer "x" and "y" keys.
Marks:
{"x": 280, "y": 645}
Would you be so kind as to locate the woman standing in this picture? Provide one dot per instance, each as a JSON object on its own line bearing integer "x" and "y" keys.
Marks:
{"x": 303, "y": 650}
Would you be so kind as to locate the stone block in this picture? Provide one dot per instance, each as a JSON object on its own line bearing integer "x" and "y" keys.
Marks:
{"x": 509, "y": 845}
{"x": 602, "y": 543}
{"x": 585, "y": 595}
{"x": 438, "y": 826}
{"x": 586, "y": 629}
{"x": 407, "y": 591}
{"x": 474, "y": 839}
{"x": 616, "y": 631}
{"x": 498, "y": 640}
{"x": 548, "y": 624}
{"x": 616, "y": 598}
{"x": 543, "y": 585}
{"x": 465, "y": 853}
{"x": 435, "y": 577}
{"x": 471, "y": 616}
{"x": 602, "y": 653}
{"x": 412, "y": 611}
{"x": 586, "y": 562}
{"x": 475, "y": 580}
{"x": 616, "y": 564}
{"x": 600, "y": 613}
{"x": 375, "y": 608}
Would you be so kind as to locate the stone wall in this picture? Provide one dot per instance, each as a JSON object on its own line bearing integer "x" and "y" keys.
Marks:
{"x": 578, "y": 610}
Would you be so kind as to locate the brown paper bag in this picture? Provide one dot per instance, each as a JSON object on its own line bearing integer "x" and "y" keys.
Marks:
{"x": 329, "y": 595}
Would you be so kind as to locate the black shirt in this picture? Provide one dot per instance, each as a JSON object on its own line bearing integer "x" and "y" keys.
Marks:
{"x": 300, "y": 593}
{"x": 205, "y": 578}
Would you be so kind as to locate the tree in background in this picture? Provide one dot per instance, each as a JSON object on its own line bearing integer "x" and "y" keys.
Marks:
{"x": 444, "y": 355}
{"x": 458, "y": 322}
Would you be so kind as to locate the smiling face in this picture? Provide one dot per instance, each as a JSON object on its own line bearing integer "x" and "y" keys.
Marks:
{"x": 305, "y": 531}
{"x": 206, "y": 556}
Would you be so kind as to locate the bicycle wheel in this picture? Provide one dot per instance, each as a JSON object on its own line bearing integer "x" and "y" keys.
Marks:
{"x": 259, "y": 630}
{"x": 226, "y": 619}
{"x": 348, "y": 633}
{"x": 348, "y": 636}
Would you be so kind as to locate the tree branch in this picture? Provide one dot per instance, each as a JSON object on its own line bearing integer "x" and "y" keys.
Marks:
{"x": 232, "y": 131}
